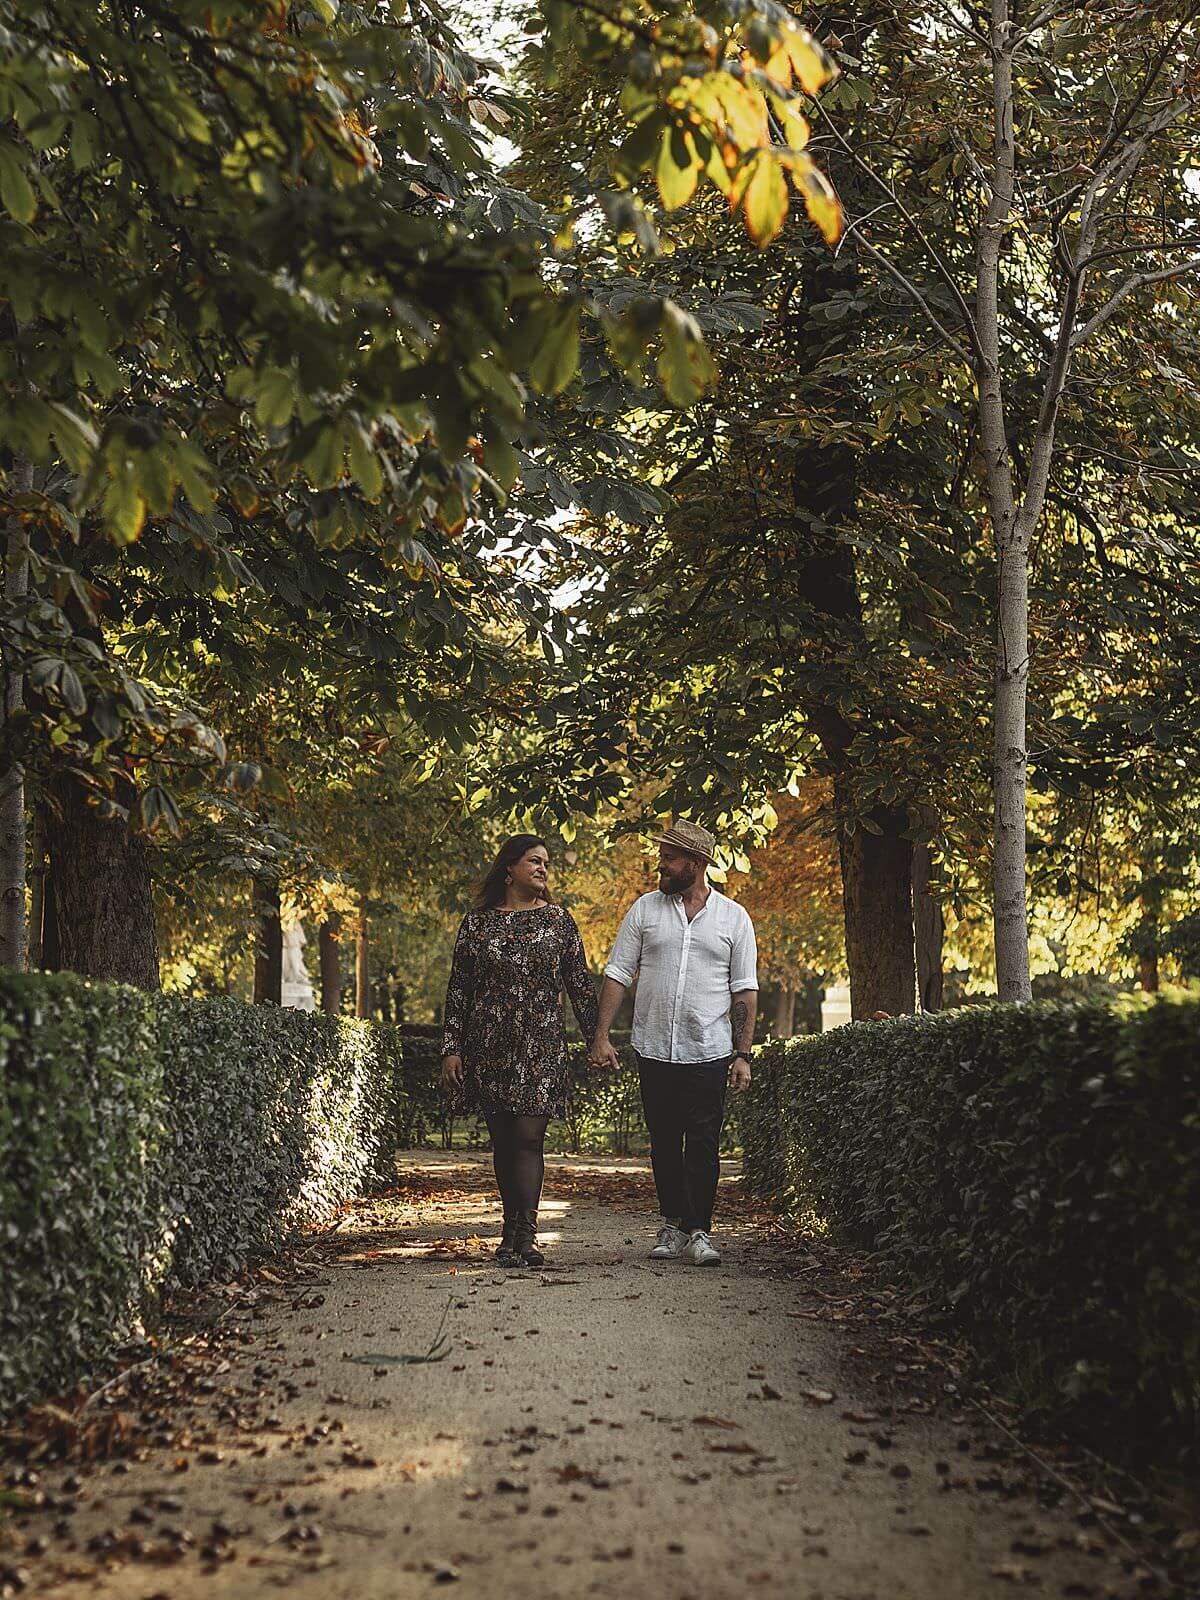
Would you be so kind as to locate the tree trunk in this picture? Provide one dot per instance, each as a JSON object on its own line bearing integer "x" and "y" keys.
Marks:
{"x": 268, "y": 944}
{"x": 929, "y": 926}
{"x": 100, "y": 884}
{"x": 51, "y": 954}
{"x": 12, "y": 779}
{"x": 877, "y": 897}
{"x": 1010, "y": 916}
{"x": 785, "y": 1012}
{"x": 1148, "y": 971}
{"x": 362, "y": 967}
{"x": 37, "y": 889}
{"x": 331, "y": 973}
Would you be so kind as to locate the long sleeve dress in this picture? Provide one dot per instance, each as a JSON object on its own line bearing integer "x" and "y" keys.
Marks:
{"x": 504, "y": 1013}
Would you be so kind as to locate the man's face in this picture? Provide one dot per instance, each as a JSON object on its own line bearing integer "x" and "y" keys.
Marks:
{"x": 677, "y": 870}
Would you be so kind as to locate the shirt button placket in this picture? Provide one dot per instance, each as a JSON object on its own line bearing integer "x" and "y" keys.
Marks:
{"x": 680, "y": 981}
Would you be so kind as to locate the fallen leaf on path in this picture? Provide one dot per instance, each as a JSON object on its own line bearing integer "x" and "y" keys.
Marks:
{"x": 738, "y": 1447}
{"x": 1013, "y": 1572}
{"x": 714, "y": 1422}
{"x": 819, "y": 1397}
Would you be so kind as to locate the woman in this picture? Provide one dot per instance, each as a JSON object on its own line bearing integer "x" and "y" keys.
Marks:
{"x": 504, "y": 1048}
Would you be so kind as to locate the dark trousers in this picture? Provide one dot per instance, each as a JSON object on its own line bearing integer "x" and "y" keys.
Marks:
{"x": 684, "y": 1104}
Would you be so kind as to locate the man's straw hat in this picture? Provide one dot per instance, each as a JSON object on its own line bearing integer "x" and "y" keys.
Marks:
{"x": 689, "y": 836}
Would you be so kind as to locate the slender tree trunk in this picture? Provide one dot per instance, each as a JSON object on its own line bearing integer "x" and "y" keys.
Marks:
{"x": 1148, "y": 971}
{"x": 362, "y": 966}
{"x": 100, "y": 886}
{"x": 12, "y": 778}
{"x": 785, "y": 1012}
{"x": 51, "y": 951}
{"x": 1151, "y": 898}
{"x": 877, "y": 897}
{"x": 331, "y": 973}
{"x": 1009, "y": 909}
{"x": 929, "y": 927}
{"x": 37, "y": 888}
{"x": 268, "y": 944}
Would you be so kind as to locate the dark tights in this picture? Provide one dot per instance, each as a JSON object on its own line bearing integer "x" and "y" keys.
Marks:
{"x": 517, "y": 1151}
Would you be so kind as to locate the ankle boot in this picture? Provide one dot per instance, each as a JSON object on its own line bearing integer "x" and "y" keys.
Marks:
{"x": 506, "y": 1250}
{"x": 526, "y": 1240}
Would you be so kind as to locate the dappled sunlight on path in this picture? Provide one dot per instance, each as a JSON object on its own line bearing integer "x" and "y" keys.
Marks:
{"x": 402, "y": 1414}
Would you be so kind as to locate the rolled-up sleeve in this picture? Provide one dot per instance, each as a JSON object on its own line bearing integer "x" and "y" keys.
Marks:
{"x": 626, "y": 955}
{"x": 743, "y": 958}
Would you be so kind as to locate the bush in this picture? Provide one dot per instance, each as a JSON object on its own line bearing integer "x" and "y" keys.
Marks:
{"x": 1035, "y": 1170}
{"x": 147, "y": 1141}
{"x": 276, "y": 1118}
{"x": 81, "y": 1137}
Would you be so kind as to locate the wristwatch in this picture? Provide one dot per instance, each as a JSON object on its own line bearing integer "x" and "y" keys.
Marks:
{"x": 740, "y": 1055}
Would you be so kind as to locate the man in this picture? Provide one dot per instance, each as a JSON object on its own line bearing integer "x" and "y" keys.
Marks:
{"x": 692, "y": 950}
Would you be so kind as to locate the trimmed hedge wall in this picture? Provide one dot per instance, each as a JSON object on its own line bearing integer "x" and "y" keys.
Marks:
{"x": 1035, "y": 1170}
{"x": 147, "y": 1141}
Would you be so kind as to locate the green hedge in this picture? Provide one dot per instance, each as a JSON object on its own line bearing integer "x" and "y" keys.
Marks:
{"x": 147, "y": 1141}
{"x": 1036, "y": 1170}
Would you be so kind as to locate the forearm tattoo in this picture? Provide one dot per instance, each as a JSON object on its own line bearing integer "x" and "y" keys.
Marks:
{"x": 740, "y": 1016}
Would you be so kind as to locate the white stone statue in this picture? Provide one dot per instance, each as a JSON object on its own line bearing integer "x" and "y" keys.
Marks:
{"x": 296, "y": 990}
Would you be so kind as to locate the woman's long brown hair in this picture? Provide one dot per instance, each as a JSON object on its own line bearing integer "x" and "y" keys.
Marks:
{"x": 492, "y": 885}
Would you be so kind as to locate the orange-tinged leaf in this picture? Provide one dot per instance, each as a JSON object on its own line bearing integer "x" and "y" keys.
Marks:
{"x": 764, "y": 200}
{"x": 745, "y": 110}
{"x": 812, "y": 66}
{"x": 721, "y": 163}
{"x": 794, "y": 123}
{"x": 779, "y": 66}
{"x": 820, "y": 198}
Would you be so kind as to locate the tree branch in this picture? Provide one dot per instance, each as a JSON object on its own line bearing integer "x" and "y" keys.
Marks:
{"x": 910, "y": 288}
{"x": 1139, "y": 280}
{"x": 934, "y": 255}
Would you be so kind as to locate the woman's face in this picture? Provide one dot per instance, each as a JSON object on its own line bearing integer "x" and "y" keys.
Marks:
{"x": 530, "y": 873}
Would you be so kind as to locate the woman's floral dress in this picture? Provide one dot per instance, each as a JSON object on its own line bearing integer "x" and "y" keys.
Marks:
{"x": 504, "y": 1013}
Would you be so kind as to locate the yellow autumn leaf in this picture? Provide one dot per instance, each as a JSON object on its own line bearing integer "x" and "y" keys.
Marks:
{"x": 745, "y": 110}
{"x": 812, "y": 66}
{"x": 676, "y": 184}
{"x": 794, "y": 123}
{"x": 764, "y": 200}
{"x": 820, "y": 197}
{"x": 722, "y": 161}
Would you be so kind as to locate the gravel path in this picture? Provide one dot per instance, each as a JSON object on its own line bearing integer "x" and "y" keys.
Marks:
{"x": 604, "y": 1424}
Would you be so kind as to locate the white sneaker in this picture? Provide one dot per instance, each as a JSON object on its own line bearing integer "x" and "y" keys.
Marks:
{"x": 669, "y": 1243}
{"x": 699, "y": 1251}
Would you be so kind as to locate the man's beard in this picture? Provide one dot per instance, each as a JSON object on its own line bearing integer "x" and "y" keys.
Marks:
{"x": 676, "y": 883}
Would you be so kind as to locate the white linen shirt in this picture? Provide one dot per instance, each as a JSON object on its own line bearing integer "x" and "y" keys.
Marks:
{"x": 687, "y": 973}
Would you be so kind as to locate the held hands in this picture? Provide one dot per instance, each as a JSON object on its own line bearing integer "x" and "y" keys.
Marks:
{"x": 452, "y": 1073}
{"x": 739, "y": 1075}
{"x": 603, "y": 1055}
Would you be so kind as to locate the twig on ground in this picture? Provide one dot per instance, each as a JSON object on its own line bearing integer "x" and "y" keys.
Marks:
{"x": 1084, "y": 1499}
{"x": 115, "y": 1383}
{"x": 438, "y": 1350}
